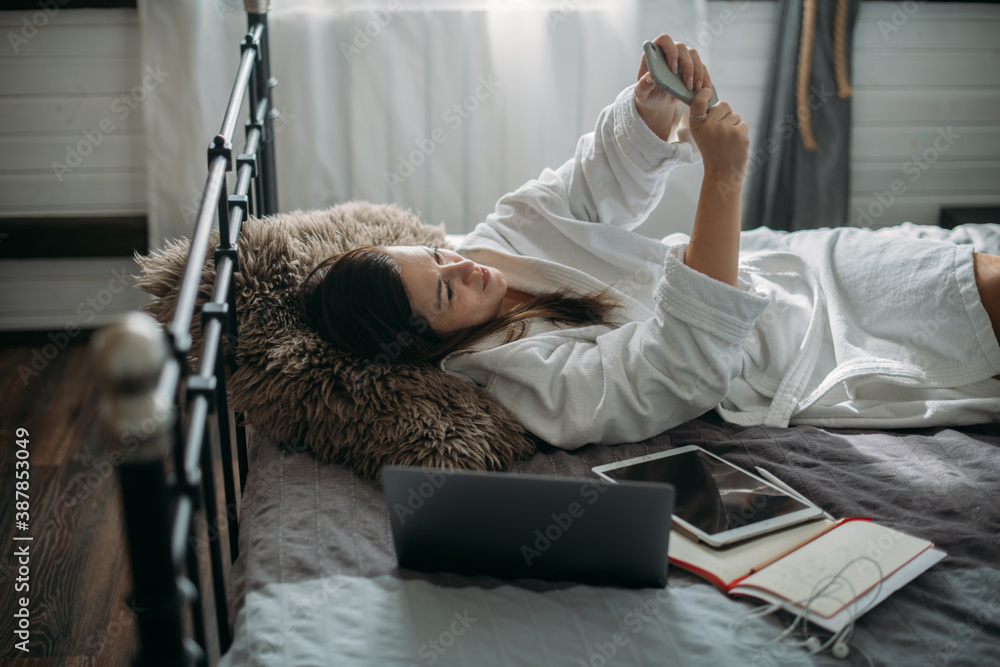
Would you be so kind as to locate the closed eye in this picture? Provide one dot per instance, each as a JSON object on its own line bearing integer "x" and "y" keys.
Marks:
{"x": 451, "y": 290}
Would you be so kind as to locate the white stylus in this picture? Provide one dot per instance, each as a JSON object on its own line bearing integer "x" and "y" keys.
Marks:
{"x": 790, "y": 491}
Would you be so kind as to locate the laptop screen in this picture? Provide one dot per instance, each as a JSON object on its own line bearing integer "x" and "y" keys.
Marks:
{"x": 530, "y": 526}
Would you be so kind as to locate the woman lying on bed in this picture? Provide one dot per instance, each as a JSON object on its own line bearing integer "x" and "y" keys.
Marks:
{"x": 592, "y": 333}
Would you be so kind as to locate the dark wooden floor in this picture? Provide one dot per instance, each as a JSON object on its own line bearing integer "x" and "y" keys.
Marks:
{"x": 79, "y": 571}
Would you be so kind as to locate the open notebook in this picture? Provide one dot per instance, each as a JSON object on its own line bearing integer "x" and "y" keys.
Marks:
{"x": 791, "y": 566}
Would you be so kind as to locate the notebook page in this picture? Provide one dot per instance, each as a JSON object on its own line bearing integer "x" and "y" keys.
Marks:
{"x": 802, "y": 573}
{"x": 835, "y": 623}
{"x": 731, "y": 563}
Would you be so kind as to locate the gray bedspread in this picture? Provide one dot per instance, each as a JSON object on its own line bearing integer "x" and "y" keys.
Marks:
{"x": 303, "y": 522}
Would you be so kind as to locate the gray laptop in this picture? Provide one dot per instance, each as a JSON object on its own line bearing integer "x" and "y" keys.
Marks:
{"x": 528, "y": 526}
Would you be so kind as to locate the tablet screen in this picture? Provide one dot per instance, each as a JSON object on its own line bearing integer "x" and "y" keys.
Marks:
{"x": 712, "y": 495}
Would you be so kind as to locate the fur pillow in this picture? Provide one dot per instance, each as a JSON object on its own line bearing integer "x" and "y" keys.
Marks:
{"x": 300, "y": 390}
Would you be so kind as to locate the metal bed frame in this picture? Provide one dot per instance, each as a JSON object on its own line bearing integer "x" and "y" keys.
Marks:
{"x": 169, "y": 422}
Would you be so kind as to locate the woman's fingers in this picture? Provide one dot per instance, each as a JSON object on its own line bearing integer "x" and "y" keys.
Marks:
{"x": 719, "y": 111}
{"x": 697, "y": 70}
{"x": 646, "y": 88}
{"x": 685, "y": 65}
{"x": 643, "y": 68}
{"x": 699, "y": 106}
{"x": 683, "y": 61}
{"x": 669, "y": 51}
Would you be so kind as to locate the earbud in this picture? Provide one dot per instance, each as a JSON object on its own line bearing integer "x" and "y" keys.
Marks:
{"x": 840, "y": 649}
{"x": 814, "y": 644}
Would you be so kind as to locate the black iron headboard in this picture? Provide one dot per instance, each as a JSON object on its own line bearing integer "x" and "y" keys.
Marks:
{"x": 168, "y": 421}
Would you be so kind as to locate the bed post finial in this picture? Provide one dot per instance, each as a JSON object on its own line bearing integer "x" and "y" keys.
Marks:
{"x": 130, "y": 356}
{"x": 257, "y": 6}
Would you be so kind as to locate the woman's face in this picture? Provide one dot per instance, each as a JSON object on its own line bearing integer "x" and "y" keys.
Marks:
{"x": 447, "y": 290}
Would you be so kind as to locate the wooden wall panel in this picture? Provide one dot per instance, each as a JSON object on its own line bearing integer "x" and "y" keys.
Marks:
{"x": 72, "y": 96}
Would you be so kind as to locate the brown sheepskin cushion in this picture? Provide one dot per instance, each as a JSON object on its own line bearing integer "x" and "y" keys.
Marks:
{"x": 300, "y": 390}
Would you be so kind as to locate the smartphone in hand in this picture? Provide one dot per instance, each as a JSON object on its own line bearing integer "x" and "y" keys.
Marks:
{"x": 656, "y": 62}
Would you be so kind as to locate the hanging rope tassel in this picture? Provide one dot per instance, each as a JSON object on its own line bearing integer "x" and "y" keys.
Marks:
{"x": 809, "y": 142}
{"x": 840, "y": 50}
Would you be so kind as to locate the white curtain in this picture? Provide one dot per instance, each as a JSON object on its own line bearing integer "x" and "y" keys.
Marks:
{"x": 440, "y": 106}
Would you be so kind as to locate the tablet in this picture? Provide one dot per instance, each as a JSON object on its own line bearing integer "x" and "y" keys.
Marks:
{"x": 716, "y": 502}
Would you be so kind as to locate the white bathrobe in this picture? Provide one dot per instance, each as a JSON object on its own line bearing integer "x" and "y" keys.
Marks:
{"x": 841, "y": 327}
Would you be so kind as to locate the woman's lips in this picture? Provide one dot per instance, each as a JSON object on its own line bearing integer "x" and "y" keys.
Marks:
{"x": 486, "y": 276}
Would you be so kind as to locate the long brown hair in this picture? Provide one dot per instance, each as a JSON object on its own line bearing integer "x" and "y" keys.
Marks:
{"x": 357, "y": 301}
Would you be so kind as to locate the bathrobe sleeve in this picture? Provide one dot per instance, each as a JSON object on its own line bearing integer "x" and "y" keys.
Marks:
{"x": 578, "y": 386}
{"x": 616, "y": 176}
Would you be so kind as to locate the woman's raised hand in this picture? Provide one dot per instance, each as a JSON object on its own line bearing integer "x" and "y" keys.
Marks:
{"x": 658, "y": 108}
{"x": 722, "y": 137}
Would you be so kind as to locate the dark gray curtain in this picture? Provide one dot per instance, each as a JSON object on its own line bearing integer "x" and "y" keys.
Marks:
{"x": 789, "y": 187}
